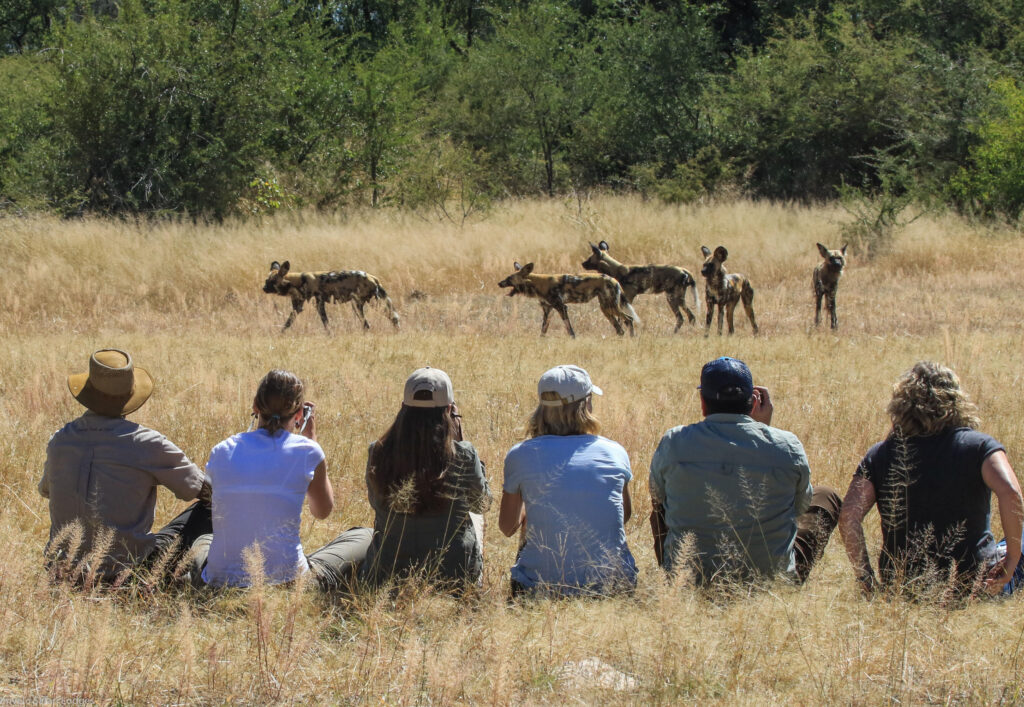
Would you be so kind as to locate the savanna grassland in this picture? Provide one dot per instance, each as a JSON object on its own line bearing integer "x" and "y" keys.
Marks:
{"x": 186, "y": 301}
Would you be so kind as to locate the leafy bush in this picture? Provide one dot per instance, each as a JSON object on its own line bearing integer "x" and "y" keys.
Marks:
{"x": 993, "y": 183}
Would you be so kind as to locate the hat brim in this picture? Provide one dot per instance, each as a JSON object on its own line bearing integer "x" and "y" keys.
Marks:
{"x": 85, "y": 393}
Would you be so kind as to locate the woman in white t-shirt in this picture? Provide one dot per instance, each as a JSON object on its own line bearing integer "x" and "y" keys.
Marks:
{"x": 573, "y": 485}
{"x": 260, "y": 479}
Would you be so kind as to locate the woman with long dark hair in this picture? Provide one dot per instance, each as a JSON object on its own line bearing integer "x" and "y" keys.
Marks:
{"x": 425, "y": 483}
{"x": 933, "y": 478}
{"x": 260, "y": 479}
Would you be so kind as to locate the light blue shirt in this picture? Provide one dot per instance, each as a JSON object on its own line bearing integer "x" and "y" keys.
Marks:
{"x": 736, "y": 486}
{"x": 572, "y": 487}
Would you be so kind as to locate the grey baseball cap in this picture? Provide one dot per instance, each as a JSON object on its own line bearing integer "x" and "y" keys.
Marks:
{"x": 570, "y": 383}
{"x": 430, "y": 380}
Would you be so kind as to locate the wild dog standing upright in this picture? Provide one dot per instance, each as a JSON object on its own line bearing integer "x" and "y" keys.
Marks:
{"x": 725, "y": 290}
{"x": 353, "y": 286}
{"x": 555, "y": 291}
{"x": 826, "y": 282}
{"x": 639, "y": 279}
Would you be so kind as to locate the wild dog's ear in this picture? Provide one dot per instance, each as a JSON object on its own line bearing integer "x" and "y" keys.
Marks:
{"x": 823, "y": 250}
{"x": 517, "y": 266}
{"x": 526, "y": 269}
{"x": 721, "y": 253}
{"x": 603, "y": 245}
{"x": 705, "y": 251}
{"x": 275, "y": 266}
{"x": 285, "y": 267}
{"x": 843, "y": 250}
{"x": 595, "y": 248}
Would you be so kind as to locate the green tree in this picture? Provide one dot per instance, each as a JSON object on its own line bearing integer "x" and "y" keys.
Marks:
{"x": 516, "y": 96}
{"x": 800, "y": 113}
{"x": 992, "y": 184}
{"x": 173, "y": 106}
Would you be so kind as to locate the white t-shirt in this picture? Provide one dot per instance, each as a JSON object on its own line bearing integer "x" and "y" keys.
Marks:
{"x": 259, "y": 484}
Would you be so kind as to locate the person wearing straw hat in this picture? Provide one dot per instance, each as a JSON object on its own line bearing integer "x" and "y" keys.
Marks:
{"x": 102, "y": 472}
{"x": 569, "y": 486}
{"x": 427, "y": 488}
{"x": 740, "y": 488}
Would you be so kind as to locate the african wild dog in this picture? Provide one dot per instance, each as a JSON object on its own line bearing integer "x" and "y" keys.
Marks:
{"x": 724, "y": 289}
{"x": 353, "y": 286}
{"x": 640, "y": 279}
{"x": 555, "y": 291}
{"x": 826, "y": 282}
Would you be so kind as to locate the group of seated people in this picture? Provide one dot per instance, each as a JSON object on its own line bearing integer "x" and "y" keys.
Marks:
{"x": 731, "y": 495}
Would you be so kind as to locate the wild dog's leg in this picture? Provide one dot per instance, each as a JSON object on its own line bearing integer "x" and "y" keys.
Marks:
{"x": 357, "y": 305}
{"x": 818, "y": 294}
{"x": 711, "y": 315}
{"x": 730, "y": 310}
{"x": 673, "y": 304}
{"x": 721, "y": 316}
{"x": 563, "y": 311}
{"x": 748, "y": 304}
{"x": 296, "y": 309}
{"x": 546, "y": 308}
{"x": 832, "y": 308}
{"x": 611, "y": 313}
{"x": 321, "y": 307}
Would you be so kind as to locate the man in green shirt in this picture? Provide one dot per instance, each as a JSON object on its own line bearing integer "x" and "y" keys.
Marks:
{"x": 739, "y": 487}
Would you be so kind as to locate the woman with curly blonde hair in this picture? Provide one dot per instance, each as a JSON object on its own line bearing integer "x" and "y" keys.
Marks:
{"x": 932, "y": 478}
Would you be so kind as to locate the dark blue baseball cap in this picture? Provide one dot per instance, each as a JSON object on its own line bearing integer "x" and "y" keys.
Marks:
{"x": 726, "y": 379}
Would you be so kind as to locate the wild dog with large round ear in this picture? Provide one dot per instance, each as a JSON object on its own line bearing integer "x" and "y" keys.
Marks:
{"x": 826, "y": 282}
{"x": 353, "y": 286}
{"x": 641, "y": 279}
{"x": 553, "y": 292}
{"x": 725, "y": 290}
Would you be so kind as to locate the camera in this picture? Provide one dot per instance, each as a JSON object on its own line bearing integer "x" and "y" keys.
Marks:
{"x": 307, "y": 412}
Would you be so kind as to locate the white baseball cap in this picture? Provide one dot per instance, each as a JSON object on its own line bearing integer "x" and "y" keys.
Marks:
{"x": 570, "y": 383}
{"x": 430, "y": 380}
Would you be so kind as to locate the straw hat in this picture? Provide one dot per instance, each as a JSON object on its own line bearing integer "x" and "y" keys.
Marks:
{"x": 113, "y": 386}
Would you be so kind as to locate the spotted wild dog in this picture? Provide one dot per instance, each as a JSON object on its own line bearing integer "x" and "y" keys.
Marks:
{"x": 641, "y": 279}
{"x": 725, "y": 290}
{"x": 353, "y": 286}
{"x": 555, "y": 291}
{"x": 826, "y": 282}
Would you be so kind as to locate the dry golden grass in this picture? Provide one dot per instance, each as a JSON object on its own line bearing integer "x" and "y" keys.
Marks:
{"x": 186, "y": 301}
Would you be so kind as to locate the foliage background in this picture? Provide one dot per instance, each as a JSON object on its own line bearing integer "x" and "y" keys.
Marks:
{"x": 178, "y": 106}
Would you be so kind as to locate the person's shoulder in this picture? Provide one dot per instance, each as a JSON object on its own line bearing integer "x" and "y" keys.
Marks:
{"x": 609, "y": 444}
{"x": 967, "y": 435}
{"x": 682, "y": 432}
{"x": 301, "y": 442}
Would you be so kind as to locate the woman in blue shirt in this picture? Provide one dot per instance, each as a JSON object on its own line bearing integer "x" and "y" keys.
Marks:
{"x": 573, "y": 485}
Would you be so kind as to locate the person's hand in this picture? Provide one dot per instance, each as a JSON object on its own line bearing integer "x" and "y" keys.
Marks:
{"x": 763, "y": 407}
{"x": 457, "y": 419}
{"x": 997, "y": 577}
{"x": 309, "y": 430}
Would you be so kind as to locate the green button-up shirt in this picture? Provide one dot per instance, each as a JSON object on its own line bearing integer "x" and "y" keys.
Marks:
{"x": 736, "y": 486}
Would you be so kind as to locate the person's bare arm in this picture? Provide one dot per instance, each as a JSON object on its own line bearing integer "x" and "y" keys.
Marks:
{"x": 320, "y": 493}
{"x": 998, "y": 475}
{"x": 627, "y": 503}
{"x": 512, "y": 513}
{"x": 860, "y": 497}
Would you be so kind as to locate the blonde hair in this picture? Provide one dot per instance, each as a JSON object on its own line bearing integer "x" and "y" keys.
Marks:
{"x": 927, "y": 399}
{"x": 568, "y": 419}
